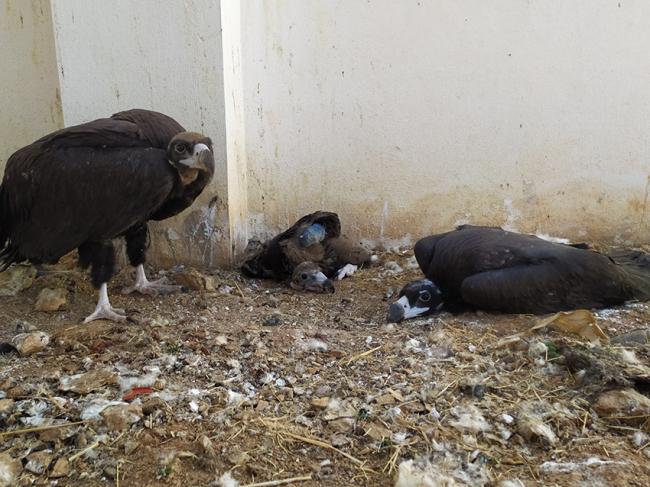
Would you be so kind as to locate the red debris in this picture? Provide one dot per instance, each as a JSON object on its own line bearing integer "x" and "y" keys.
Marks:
{"x": 135, "y": 392}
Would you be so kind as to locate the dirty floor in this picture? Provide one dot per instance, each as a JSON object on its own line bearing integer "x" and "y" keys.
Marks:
{"x": 252, "y": 380}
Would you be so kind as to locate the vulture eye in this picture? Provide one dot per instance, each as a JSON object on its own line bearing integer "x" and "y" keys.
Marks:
{"x": 425, "y": 296}
{"x": 303, "y": 276}
{"x": 180, "y": 148}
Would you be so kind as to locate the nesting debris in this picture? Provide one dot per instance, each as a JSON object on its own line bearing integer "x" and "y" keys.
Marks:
{"x": 88, "y": 382}
{"x": 443, "y": 468}
{"x": 469, "y": 418}
{"x": 531, "y": 424}
{"x": 566, "y": 467}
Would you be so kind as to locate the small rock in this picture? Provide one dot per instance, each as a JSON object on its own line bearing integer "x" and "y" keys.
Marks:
{"x": 130, "y": 446}
{"x": 16, "y": 392}
{"x": 274, "y": 319}
{"x": 120, "y": 416}
{"x": 622, "y": 403}
{"x": 320, "y": 402}
{"x": 342, "y": 425}
{"x": 193, "y": 279}
{"x": 51, "y": 299}
{"x": 30, "y": 343}
{"x": 16, "y": 279}
{"x": 207, "y": 446}
{"x": 10, "y": 469}
{"x": 634, "y": 337}
{"x": 339, "y": 440}
{"x": 61, "y": 468}
{"x": 152, "y": 405}
{"x": 86, "y": 383}
{"x": 6, "y": 406}
{"x": 38, "y": 462}
{"x": 110, "y": 471}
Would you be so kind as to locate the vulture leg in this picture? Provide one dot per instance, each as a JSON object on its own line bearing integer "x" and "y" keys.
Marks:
{"x": 136, "y": 246}
{"x": 100, "y": 256}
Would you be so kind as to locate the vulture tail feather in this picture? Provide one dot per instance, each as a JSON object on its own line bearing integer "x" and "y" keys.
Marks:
{"x": 636, "y": 264}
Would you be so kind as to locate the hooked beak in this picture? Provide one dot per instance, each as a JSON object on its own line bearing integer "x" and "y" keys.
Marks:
{"x": 197, "y": 161}
{"x": 395, "y": 313}
{"x": 402, "y": 310}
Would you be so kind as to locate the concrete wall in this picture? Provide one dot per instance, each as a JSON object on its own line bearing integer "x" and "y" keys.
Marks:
{"x": 410, "y": 117}
{"x": 165, "y": 56}
{"x": 29, "y": 104}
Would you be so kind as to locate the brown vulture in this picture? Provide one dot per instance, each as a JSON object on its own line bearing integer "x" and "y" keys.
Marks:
{"x": 82, "y": 186}
{"x": 494, "y": 270}
{"x": 309, "y": 254}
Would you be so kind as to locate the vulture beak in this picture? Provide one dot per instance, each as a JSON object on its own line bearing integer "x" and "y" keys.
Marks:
{"x": 402, "y": 310}
{"x": 316, "y": 282}
{"x": 197, "y": 161}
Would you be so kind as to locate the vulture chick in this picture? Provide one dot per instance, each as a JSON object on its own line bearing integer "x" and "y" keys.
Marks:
{"x": 82, "y": 186}
{"x": 309, "y": 254}
{"x": 491, "y": 269}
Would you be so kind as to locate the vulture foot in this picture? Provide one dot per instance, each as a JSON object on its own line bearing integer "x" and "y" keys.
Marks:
{"x": 150, "y": 288}
{"x": 106, "y": 312}
{"x": 153, "y": 288}
{"x": 346, "y": 271}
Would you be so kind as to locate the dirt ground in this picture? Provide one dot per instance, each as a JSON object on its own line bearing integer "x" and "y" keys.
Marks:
{"x": 255, "y": 379}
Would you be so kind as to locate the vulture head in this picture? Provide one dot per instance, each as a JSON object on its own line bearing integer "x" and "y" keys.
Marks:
{"x": 417, "y": 298}
{"x": 191, "y": 154}
{"x": 307, "y": 276}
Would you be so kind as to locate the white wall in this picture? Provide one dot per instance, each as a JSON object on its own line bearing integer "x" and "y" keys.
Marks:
{"x": 165, "y": 56}
{"x": 29, "y": 100}
{"x": 408, "y": 117}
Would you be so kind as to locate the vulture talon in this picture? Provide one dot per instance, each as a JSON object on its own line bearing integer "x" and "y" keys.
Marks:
{"x": 106, "y": 313}
{"x": 151, "y": 288}
{"x": 346, "y": 271}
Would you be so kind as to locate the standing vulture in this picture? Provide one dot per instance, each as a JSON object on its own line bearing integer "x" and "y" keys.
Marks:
{"x": 491, "y": 269}
{"x": 308, "y": 253}
{"x": 82, "y": 186}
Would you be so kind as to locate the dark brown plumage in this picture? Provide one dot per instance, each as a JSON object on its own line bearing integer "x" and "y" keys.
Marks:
{"x": 82, "y": 186}
{"x": 492, "y": 269}
{"x": 315, "y": 238}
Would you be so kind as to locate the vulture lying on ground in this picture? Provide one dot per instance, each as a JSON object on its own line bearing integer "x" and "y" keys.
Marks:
{"x": 491, "y": 269}
{"x": 81, "y": 187}
{"x": 309, "y": 253}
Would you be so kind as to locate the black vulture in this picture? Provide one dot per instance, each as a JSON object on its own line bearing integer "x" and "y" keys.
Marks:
{"x": 492, "y": 269}
{"x": 82, "y": 186}
{"x": 308, "y": 254}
